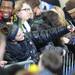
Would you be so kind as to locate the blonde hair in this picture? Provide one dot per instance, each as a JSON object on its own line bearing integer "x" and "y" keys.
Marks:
{"x": 18, "y": 5}
{"x": 61, "y": 15}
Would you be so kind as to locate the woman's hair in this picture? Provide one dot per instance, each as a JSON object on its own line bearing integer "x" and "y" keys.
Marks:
{"x": 18, "y": 5}
{"x": 56, "y": 17}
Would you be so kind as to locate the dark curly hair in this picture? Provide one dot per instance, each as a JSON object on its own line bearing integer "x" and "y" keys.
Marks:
{"x": 13, "y": 1}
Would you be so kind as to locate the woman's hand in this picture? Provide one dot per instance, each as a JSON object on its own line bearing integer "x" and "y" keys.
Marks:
{"x": 19, "y": 36}
{"x": 2, "y": 63}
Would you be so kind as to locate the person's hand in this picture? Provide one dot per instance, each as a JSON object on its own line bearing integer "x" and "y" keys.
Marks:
{"x": 71, "y": 28}
{"x": 2, "y": 63}
{"x": 65, "y": 40}
{"x": 19, "y": 35}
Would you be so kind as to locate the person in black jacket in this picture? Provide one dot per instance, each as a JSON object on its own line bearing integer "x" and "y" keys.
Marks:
{"x": 21, "y": 50}
{"x": 15, "y": 36}
{"x": 40, "y": 38}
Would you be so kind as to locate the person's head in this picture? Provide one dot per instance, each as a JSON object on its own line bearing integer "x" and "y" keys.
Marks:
{"x": 55, "y": 17}
{"x": 51, "y": 61}
{"x": 6, "y": 8}
{"x": 35, "y": 6}
{"x": 23, "y": 10}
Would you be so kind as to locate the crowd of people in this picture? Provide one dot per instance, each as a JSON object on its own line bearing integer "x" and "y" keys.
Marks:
{"x": 38, "y": 31}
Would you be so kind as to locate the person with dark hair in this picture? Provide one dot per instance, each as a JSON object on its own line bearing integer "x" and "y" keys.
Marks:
{"x": 70, "y": 10}
{"x": 52, "y": 61}
{"x": 20, "y": 48}
{"x": 38, "y": 6}
{"x": 12, "y": 32}
{"x": 38, "y": 37}
{"x": 6, "y": 11}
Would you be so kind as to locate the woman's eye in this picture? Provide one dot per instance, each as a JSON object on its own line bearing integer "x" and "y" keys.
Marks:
{"x": 26, "y": 9}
